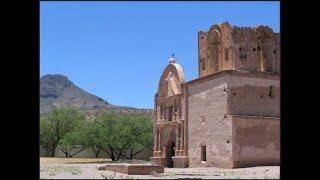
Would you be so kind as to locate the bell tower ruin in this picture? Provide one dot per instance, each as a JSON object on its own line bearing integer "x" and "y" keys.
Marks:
{"x": 238, "y": 48}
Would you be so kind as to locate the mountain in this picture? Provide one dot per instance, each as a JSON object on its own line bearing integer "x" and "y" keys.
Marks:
{"x": 58, "y": 91}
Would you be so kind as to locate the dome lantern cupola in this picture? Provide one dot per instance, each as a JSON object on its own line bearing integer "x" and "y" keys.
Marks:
{"x": 172, "y": 59}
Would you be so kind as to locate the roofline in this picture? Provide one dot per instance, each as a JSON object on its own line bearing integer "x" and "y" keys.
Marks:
{"x": 264, "y": 75}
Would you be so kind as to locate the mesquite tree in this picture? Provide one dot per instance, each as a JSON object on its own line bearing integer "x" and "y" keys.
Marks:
{"x": 122, "y": 133}
{"x": 56, "y": 124}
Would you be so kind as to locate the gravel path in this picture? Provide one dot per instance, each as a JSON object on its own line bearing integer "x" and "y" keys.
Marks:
{"x": 90, "y": 171}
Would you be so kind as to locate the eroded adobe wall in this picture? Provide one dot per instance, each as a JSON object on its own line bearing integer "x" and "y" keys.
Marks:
{"x": 213, "y": 50}
{"x": 202, "y": 53}
{"x": 207, "y": 123}
{"x": 245, "y": 48}
{"x": 277, "y": 54}
{"x": 227, "y": 47}
{"x": 253, "y": 96}
{"x": 269, "y": 45}
{"x": 256, "y": 141}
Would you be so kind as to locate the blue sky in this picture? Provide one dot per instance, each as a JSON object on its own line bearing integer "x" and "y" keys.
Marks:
{"x": 118, "y": 50}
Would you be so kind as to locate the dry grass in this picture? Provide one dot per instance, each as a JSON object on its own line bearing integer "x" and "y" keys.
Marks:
{"x": 54, "y": 160}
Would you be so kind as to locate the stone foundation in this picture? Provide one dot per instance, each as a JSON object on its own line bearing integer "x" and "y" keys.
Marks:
{"x": 134, "y": 169}
{"x": 180, "y": 161}
{"x": 159, "y": 161}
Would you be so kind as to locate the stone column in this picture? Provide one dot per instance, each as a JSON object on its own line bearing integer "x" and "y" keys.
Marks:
{"x": 158, "y": 112}
{"x": 156, "y": 141}
{"x": 182, "y": 143}
{"x": 185, "y": 117}
{"x": 173, "y": 111}
{"x": 160, "y": 140}
{"x": 164, "y": 113}
{"x": 177, "y": 140}
{"x": 161, "y": 111}
{"x": 178, "y": 108}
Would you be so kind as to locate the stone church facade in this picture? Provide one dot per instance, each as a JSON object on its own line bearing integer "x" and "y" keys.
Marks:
{"x": 230, "y": 115}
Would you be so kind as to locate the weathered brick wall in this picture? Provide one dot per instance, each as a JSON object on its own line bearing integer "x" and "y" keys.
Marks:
{"x": 253, "y": 96}
{"x": 207, "y": 123}
{"x": 256, "y": 141}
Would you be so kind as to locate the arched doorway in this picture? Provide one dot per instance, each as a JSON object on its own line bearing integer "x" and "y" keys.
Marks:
{"x": 170, "y": 152}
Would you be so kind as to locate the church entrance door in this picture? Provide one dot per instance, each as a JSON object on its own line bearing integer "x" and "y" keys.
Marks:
{"x": 170, "y": 153}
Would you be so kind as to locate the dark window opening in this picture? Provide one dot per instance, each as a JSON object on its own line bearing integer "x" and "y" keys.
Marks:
{"x": 271, "y": 92}
{"x": 259, "y": 49}
{"x": 240, "y": 49}
{"x": 203, "y": 153}
{"x": 202, "y": 118}
{"x": 234, "y": 94}
{"x": 261, "y": 96}
{"x": 228, "y": 141}
{"x": 274, "y": 51}
{"x": 254, "y": 49}
{"x": 170, "y": 113}
{"x": 201, "y": 37}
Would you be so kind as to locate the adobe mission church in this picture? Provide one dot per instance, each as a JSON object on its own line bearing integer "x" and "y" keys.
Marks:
{"x": 230, "y": 115}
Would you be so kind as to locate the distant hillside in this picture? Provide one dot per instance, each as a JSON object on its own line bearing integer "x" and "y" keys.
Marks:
{"x": 58, "y": 91}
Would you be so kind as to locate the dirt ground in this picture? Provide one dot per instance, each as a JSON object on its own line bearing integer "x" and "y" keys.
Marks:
{"x": 86, "y": 168}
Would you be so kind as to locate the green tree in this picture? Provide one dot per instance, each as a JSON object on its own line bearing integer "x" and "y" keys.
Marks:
{"x": 71, "y": 141}
{"x": 56, "y": 124}
{"x": 46, "y": 136}
{"x": 107, "y": 133}
{"x": 120, "y": 133}
{"x": 91, "y": 135}
{"x": 140, "y": 133}
{"x": 75, "y": 139}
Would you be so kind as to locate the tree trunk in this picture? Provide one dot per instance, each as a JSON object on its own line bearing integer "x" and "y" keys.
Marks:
{"x": 96, "y": 151}
{"x": 52, "y": 152}
{"x": 119, "y": 155}
{"x": 131, "y": 153}
{"x": 53, "y": 148}
{"x": 71, "y": 155}
{"x": 123, "y": 156}
{"x": 111, "y": 153}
